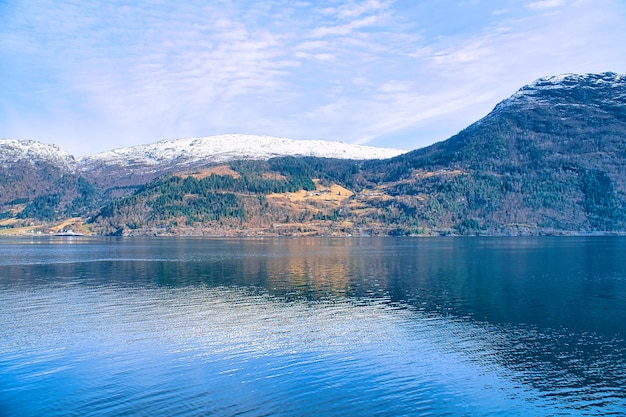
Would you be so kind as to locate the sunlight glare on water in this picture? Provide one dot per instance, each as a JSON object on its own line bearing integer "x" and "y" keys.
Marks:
{"x": 91, "y": 332}
{"x": 228, "y": 351}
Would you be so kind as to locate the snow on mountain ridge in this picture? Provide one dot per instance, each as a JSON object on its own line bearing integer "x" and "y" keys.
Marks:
{"x": 224, "y": 148}
{"x": 140, "y": 163}
{"x": 542, "y": 90}
{"x": 568, "y": 81}
{"x": 34, "y": 151}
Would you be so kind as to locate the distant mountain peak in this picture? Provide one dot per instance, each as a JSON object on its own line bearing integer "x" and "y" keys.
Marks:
{"x": 145, "y": 161}
{"x": 135, "y": 164}
{"x": 571, "y": 80}
{"x": 225, "y": 148}
{"x": 568, "y": 89}
{"x": 34, "y": 151}
{"x": 549, "y": 159}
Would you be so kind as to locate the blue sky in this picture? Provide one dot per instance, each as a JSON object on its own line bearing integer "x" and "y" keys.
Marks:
{"x": 91, "y": 76}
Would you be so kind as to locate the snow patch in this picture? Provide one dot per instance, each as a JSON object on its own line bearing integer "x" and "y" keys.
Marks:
{"x": 225, "y": 148}
{"x": 534, "y": 94}
{"x": 33, "y": 151}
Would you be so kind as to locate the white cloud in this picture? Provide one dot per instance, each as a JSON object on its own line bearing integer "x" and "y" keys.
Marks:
{"x": 344, "y": 29}
{"x": 395, "y": 87}
{"x": 120, "y": 73}
{"x": 499, "y": 12}
{"x": 354, "y": 10}
{"x": 312, "y": 45}
{"x": 469, "y": 76}
{"x": 546, "y": 4}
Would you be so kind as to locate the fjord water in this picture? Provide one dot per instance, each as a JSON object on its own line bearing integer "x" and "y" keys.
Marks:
{"x": 313, "y": 326}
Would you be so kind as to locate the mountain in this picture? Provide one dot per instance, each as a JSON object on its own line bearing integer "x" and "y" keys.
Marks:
{"x": 36, "y": 179}
{"x": 34, "y": 153}
{"x": 567, "y": 116}
{"x": 138, "y": 164}
{"x": 551, "y": 159}
{"x": 42, "y": 182}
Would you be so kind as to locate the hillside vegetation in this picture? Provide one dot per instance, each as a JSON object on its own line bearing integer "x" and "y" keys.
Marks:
{"x": 549, "y": 160}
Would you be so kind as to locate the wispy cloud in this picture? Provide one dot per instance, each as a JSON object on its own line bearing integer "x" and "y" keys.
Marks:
{"x": 344, "y": 29}
{"x": 546, "y": 4}
{"x": 94, "y": 75}
{"x": 353, "y": 10}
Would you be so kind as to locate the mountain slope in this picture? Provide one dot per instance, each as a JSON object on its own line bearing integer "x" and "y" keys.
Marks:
{"x": 563, "y": 117}
{"x": 551, "y": 157}
{"x": 138, "y": 164}
{"x": 40, "y": 182}
{"x": 13, "y": 152}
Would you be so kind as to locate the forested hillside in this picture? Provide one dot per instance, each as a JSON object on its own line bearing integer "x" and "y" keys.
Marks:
{"x": 549, "y": 160}
{"x": 38, "y": 184}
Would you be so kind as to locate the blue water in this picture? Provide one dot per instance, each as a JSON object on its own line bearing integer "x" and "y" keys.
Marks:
{"x": 294, "y": 327}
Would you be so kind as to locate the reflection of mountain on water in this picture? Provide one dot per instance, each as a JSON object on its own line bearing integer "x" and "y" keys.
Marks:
{"x": 548, "y": 311}
{"x": 546, "y": 281}
{"x": 314, "y": 268}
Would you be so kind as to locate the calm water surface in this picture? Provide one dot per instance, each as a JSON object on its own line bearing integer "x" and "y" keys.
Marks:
{"x": 294, "y": 327}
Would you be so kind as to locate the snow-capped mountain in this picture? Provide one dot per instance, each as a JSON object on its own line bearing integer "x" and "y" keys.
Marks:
{"x": 548, "y": 159}
{"x": 136, "y": 164}
{"x": 29, "y": 169}
{"x": 224, "y": 148}
{"x": 182, "y": 154}
{"x": 606, "y": 88}
{"x": 33, "y": 152}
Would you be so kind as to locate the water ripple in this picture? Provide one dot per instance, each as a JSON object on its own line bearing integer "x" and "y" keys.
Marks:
{"x": 229, "y": 351}
{"x": 74, "y": 343}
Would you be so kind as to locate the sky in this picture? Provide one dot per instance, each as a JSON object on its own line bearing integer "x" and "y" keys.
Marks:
{"x": 90, "y": 76}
